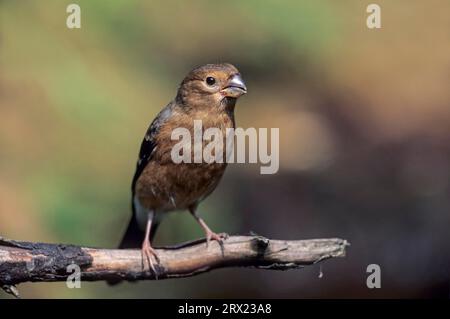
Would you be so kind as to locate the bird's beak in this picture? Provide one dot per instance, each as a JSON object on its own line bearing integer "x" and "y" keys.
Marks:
{"x": 235, "y": 87}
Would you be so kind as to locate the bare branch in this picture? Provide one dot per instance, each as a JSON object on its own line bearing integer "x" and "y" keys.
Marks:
{"x": 34, "y": 262}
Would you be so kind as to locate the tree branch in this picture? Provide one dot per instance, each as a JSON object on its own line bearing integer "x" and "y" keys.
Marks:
{"x": 35, "y": 262}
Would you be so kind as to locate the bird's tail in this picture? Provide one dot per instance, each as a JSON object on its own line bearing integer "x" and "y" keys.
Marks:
{"x": 133, "y": 238}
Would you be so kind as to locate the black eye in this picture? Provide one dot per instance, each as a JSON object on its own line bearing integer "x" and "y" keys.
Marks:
{"x": 210, "y": 80}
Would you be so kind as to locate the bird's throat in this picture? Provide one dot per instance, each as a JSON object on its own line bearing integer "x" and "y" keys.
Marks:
{"x": 228, "y": 103}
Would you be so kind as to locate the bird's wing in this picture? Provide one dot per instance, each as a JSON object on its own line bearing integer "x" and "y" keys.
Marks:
{"x": 148, "y": 145}
{"x": 134, "y": 233}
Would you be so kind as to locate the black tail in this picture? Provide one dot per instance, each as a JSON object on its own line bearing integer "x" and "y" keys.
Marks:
{"x": 133, "y": 238}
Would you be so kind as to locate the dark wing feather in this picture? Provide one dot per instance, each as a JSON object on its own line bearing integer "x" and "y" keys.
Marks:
{"x": 149, "y": 143}
{"x": 134, "y": 235}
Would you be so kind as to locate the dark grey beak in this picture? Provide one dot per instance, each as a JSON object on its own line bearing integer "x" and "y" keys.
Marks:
{"x": 235, "y": 87}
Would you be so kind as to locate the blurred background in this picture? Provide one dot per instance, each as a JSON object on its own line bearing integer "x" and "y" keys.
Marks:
{"x": 364, "y": 118}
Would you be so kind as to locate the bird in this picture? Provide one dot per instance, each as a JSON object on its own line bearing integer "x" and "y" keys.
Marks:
{"x": 159, "y": 186}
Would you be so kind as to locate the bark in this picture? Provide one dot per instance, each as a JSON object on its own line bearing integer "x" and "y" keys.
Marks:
{"x": 35, "y": 262}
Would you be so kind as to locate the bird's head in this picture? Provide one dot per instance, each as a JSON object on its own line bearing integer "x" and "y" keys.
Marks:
{"x": 212, "y": 84}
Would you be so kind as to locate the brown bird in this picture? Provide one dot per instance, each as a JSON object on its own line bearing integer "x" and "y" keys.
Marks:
{"x": 208, "y": 93}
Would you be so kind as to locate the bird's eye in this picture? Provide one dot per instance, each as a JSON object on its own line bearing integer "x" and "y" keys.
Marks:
{"x": 210, "y": 80}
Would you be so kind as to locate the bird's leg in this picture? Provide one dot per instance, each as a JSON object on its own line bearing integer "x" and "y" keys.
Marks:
{"x": 147, "y": 250}
{"x": 210, "y": 235}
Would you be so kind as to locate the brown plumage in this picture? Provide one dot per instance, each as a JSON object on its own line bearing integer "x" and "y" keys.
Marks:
{"x": 209, "y": 94}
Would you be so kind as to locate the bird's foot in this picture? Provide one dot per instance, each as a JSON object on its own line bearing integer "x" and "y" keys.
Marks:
{"x": 148, "y": 253}
{"x": 210, "y": 235}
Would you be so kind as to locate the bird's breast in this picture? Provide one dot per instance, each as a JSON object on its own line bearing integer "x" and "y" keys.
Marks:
{"x": 165, "y": 185}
